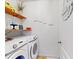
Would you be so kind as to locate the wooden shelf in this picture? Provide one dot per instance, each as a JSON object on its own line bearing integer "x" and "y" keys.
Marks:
{"x": 13, "y": 13}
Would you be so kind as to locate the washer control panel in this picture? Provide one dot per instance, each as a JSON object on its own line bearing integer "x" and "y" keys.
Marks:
{"x": 17, "y": 43}
{"x": 15, "y": 46}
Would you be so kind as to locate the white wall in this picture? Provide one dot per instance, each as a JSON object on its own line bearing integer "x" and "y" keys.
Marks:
{"x": 66, "y": 33}
{"x": 45, "y": 12}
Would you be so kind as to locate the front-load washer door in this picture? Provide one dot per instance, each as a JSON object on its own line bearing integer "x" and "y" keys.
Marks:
{"x": 33, "y": 50}
{"x": 20, "y": 54}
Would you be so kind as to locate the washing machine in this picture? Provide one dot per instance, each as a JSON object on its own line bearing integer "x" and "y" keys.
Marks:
{"x": 33, "y": 48}
{"x": 19, "y": 54}
{"x": 17, "y": 48}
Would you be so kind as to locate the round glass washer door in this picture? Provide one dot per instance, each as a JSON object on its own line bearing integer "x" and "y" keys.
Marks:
{"x": 19, "y": 55}
{"x": 34, "y": 50}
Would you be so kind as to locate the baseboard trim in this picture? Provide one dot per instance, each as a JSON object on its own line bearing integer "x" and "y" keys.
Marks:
{"x": 44, "y": 57}
{"x": 64, "y": 53}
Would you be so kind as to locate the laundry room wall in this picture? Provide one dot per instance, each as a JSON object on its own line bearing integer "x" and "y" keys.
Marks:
{"x": 65, "y": 34}
{"x": 42, "y": 16}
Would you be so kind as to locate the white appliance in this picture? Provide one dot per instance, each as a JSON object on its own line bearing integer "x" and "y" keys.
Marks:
{"x": 19, "y": 47}
{"x": 19, "y": 54}
{"x": 33, "y": 48}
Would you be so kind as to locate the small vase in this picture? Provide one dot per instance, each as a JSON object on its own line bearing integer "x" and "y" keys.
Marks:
{"x": 20, "y": 12}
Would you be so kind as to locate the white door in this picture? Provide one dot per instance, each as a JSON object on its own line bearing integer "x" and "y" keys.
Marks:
{"x": 66, "y": 30}
{"x": 20, "y": 54}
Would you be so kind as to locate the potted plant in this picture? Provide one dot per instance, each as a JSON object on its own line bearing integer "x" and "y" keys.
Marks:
{"x": 20, "y": 6}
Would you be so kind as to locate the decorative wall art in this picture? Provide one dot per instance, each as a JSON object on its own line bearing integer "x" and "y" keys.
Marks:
{"x": 67, "y": 9}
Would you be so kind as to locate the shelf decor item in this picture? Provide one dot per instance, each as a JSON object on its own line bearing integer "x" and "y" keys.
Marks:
{"x": 11, "y": 11}
{"x": 20, "y": 6}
